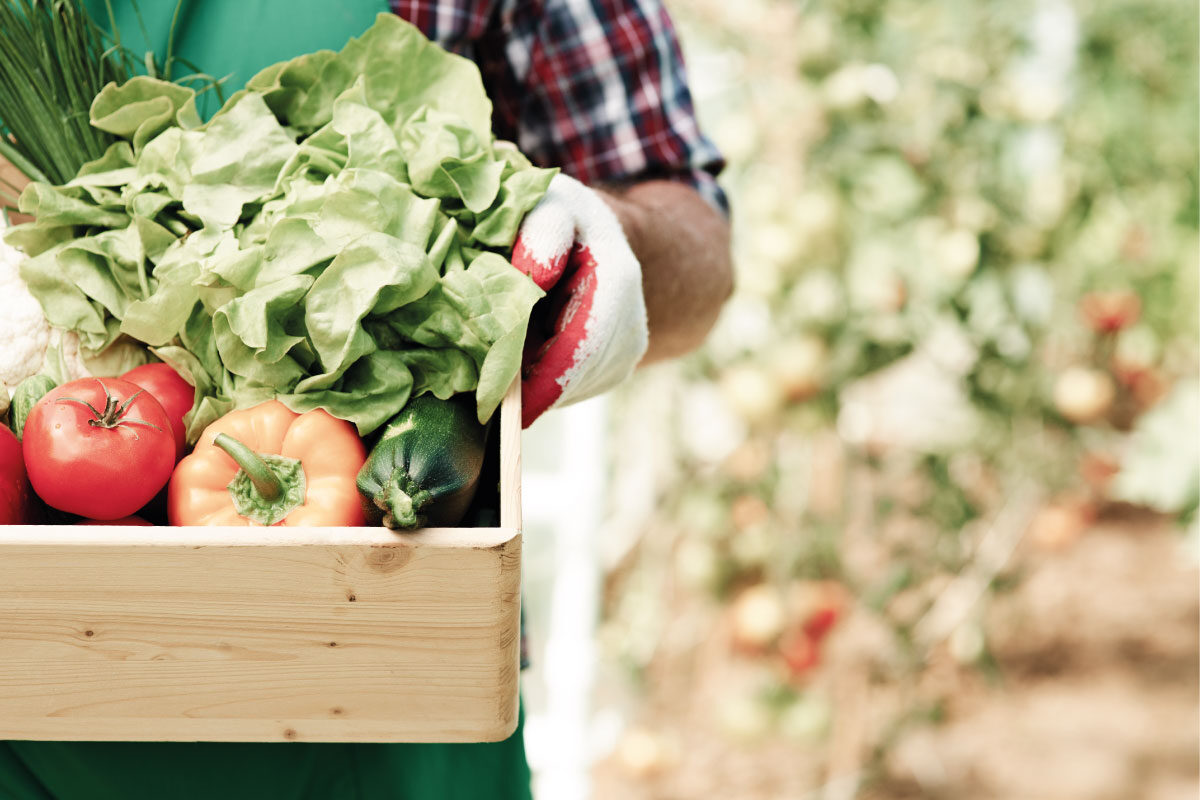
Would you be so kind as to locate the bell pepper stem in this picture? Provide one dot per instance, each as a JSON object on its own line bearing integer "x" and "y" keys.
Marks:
{"x": 265, "y": 481}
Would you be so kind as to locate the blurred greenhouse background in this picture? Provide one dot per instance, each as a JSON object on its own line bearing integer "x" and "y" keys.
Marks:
{"x": 921, "y": 518}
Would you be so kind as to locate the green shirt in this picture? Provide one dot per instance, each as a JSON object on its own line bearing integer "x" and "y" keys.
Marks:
{"x": 234, "y": 39}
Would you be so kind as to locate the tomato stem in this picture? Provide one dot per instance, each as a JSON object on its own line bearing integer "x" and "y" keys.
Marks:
{"x": 114, "y": 411}
{"x": 265, "y": 481}
{"x": 91, "y": 407}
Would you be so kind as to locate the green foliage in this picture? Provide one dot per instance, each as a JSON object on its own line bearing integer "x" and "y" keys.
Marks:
{"x": 968, "y": 211}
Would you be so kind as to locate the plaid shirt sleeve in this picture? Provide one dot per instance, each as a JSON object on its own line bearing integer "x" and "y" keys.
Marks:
{"x": 596, "y": 87}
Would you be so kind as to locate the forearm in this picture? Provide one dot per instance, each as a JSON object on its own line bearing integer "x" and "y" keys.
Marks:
{"x": 682, "y": 244}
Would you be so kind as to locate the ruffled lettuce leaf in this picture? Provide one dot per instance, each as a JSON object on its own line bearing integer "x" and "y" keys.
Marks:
{"x": 143, "y": 107}
{"x": 337, "y": 236}
{"x": 402, "y": 72}
{"x": 460, "y": 313}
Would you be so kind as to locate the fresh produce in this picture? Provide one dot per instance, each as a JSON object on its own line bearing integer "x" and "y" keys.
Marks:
{"x": 134, "y": 520}
{"x": 332, "y": 247}
{"x": 171, "y": 391}
{"x": 24, "y": 331}
{"x": 268, "y": 465}
{"x": 425, "y": 468}
{"x": 336, "y": 237}
{"x": 25, "y": 397}
{"x": 53, "y": 61}
{"x": 30, "y": 346}
{"x": 98, "y": 447}
{"x": 16, "y": 499}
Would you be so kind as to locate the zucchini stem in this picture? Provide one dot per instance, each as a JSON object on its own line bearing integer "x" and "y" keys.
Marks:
{"x": 402, "y": 501}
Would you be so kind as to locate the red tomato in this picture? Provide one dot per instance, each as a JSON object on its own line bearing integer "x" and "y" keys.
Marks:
{"x": 15, "y": 497}
{"x": 800, "y": 652}
{"x": 821, "y": 622}
{"x": 170, "y": 390}
{"x": 98, "y": 447}
{"x": 121, "y": 521}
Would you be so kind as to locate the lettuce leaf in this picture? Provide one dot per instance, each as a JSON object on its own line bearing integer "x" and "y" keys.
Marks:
{"x": 336, "y": 236}
{"x": 460, "y": 313}
{"x": 143, "y": 107}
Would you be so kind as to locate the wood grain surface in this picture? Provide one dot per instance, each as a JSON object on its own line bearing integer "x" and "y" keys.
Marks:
{"x": 264, "y": 634}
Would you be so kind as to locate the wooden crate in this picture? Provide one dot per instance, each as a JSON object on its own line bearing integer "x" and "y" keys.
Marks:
{"x": 265, "y": 634}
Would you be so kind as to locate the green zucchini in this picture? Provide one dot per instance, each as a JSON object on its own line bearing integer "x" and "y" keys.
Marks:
{"x": 25, "y": 397}
{"x": 425, "y": 467}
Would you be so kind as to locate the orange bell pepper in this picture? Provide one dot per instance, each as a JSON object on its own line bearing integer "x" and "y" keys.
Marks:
{"x": 268, "y": 465}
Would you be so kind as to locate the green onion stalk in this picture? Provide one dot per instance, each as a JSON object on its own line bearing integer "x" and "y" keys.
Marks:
{"x": 53, "y": 61}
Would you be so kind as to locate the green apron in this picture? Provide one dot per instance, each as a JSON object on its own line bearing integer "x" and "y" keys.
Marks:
{"x": 285, "y": 771}
{"x": 238, "y": 38}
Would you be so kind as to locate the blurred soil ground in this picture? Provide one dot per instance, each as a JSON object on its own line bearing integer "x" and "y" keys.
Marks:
{"x": 1088, "y": 690}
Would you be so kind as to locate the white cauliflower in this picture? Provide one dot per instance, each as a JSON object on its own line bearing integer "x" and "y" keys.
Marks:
{"x": 25, "y": 334}
{"x": 24, "y": 331}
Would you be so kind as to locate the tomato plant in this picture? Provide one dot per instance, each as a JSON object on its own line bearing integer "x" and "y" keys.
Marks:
{"x": 98, "y": 447}
{"x": 15, "y": 499}
{"x": 172, "y": 392}
{"x": 800, "y": 652}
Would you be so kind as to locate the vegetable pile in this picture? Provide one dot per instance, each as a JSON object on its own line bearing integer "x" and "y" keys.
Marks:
{"x": 106, "y": 448}
{"x": 330, "y": 246}
{"x": 335, "y": 237}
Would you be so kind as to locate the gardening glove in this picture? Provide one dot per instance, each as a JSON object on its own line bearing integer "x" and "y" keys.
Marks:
{"x": 589, "y": 332}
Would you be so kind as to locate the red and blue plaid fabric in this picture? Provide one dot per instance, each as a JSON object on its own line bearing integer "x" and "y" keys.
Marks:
{"x": 596, "y": 87}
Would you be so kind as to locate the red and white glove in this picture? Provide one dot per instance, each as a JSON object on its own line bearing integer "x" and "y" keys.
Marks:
{"x": 589, "y": 332}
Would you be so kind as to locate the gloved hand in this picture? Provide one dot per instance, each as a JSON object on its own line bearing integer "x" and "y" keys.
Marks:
{"x": 589, "y": 332}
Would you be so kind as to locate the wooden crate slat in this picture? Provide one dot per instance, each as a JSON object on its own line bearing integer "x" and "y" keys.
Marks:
{"x": 264, "y": 634}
